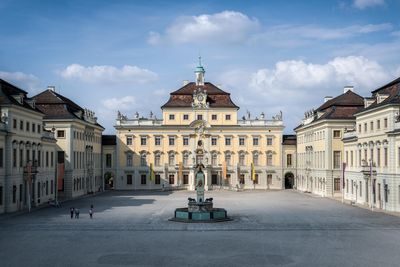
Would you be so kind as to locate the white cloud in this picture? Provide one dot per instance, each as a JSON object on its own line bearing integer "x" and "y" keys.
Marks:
{"x": 296, "y": 79}
{"x": 362, "y": 4}
{"x": 25, "y": 81}
{"x": 123, "y": 103}
{"x": 108, "y": 74}
{"x": 225, "y": 27}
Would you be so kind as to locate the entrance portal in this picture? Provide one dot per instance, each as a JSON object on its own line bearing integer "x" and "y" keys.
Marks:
{"x": 289, "y": 180}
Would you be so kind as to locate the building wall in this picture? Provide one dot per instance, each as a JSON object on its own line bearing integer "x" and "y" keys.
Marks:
{"x": 127, "y": 129}
{"x": 377, "y": 146}
{"x": 316, "y": 146}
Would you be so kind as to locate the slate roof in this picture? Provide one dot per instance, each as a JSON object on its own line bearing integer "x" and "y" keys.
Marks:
{"x": 392, "y": 89}
{"x": 56, "y": 106}
{"x": 108, "y": 140}
{"x": 342, "y": 107}
{"x": 289, "y": 139}
{"x": 216, "y": 97}
{"x": 8, "y": 90}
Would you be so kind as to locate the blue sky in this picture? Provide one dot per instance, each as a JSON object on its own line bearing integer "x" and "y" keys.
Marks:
{"x": 270, "y": 55}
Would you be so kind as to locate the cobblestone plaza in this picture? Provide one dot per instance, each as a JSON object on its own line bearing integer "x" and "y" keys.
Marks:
{"x": 273, "y": 228}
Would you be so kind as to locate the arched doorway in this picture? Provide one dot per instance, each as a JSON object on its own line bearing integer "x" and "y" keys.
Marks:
{"x": 109, "y": 180}
{"x": 289, "y": 180}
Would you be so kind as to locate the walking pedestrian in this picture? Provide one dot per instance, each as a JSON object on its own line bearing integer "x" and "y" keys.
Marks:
{"x": 76, "y": 213}
{"x": 91, "y": 213}
{"x": 72, "y": 210}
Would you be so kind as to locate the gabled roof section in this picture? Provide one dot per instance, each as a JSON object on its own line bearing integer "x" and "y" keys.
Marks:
{"x": 349, "y": 99}
{"x": 216, "y": 97}
{"x": 56, "y": 106}
{"x": 391, "y": 89}
{"x": 8, "y": 92}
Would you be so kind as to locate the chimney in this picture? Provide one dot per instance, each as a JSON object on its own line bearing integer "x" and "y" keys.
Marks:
{"x": 51, "y": 88}
{"x": 348, "y": 88}
{"x": 327, "y": 98}
{"x": 185, "y": 82}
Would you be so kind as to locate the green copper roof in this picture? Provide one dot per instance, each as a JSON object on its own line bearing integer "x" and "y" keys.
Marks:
{"x": 199, "y": 68}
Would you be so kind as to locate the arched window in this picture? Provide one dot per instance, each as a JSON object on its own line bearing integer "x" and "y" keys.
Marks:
{"x": 228, "y": 158}
{"x": 255, "y": 159}
{"x": 171, "y": 159}
{"x": 241, "y": 159}
{"x": 214, "y": 159}
{"x": 129, "y": 159}
{"x": 157, "y": 159}
{"x": 143, "y": 160}
{"x": 186, "y": 159}
{"x": 269, "y": 159}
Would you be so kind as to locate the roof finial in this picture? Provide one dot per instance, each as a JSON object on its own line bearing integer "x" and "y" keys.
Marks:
{"x": 200, "y": 61}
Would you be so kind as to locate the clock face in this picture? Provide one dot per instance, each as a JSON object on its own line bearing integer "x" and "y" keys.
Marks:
{"x": 200, "y": 98}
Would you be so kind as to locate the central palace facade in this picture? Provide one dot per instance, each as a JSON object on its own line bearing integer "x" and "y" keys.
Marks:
{"x": 199, "y": 124}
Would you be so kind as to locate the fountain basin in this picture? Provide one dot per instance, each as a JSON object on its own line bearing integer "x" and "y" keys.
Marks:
{"x": 200, "y": 216}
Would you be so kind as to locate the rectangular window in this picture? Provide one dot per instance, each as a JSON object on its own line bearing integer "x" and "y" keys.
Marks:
{"x": 60, "y": 134}
{"x": 171, "y": 141}
{"x": 255, "y": 141}
{"x": 371, "y": 126}
{"x": 185, "y": 141}
{"x": 336, "y": 134}
{"x": 185, "y": 117}
{"x": 51, "y": 187}
{"x": 360, "y": 189}
{"x": 143, "y": 179}
{"x": 241, "y": 141}
{"x": 1, "y": 195}
{"x": 359, "y": 128}
{"x": 27, "y": 126}
{"x": 255, "y": 178}
{"x": 336, "y": 159}
{"x": 157, "y": 140}
{"x": 228, "y": 117}
{"x": 14, "y": 194}
{"x": 378, "y": 157}
{"x": 214, "y": 117}
{"x": 21, "y": 125}
{"x": 129, "y": 179}
{"x": 365, "y": 127}
{"x": 242, "y": 179}
{"x": 200, "y": 117}
{"x": 33, "y": 127}
{"x": 39, "y": 161}
{"x": 108, "y": 161}
{"x": 214, "y": 179}
{"x": 129, "y": 160}
{"x": 336, "y": 185}
{"x": 129, "y": 140}
{"x": 213, "y": 141}
{"x": 269, "y": 141}
{"x": 227, "y": 141}
{"x": 14, "y": 157}
{"x": 47, "y": 188}
{"x": 2, "y": 157}
{"x": 52, "y": 158}
{"x": 157, "y": 179}
{"x": 289, "y": 160}
{"x": 185, "y": 179}
{"x": 171, "y": 179}
{"x": 143, "y": 141}
{"x": 171, "y": 117}
{"x": 378, "y": 124}
{"x": 385, "y": 156}
{"x": 15, "y": 123}
{"x": 385, "y": 123}
{"x": 351, "y": 158}
{"x": 47, "y": 158}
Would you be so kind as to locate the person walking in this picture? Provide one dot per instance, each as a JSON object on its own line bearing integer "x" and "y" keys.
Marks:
{"x": 91, "y": 213}
{"x": 72, "y": 210}
{"x": 76, "y": 213}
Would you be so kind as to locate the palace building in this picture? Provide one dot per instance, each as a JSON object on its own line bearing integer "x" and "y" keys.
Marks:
{"x": 199, "y": 124}
{"x": 320, "y": 145}
{"x": 372, "y": 151}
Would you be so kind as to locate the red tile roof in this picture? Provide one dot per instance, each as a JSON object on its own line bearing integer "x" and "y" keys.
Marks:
{"x": 216, "y": 97}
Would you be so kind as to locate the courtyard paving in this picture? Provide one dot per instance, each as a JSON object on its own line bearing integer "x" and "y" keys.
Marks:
{"x": 274, "y": 228}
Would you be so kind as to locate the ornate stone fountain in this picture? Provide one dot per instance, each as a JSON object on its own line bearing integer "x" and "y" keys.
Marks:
{"x": 200, "y": 209}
